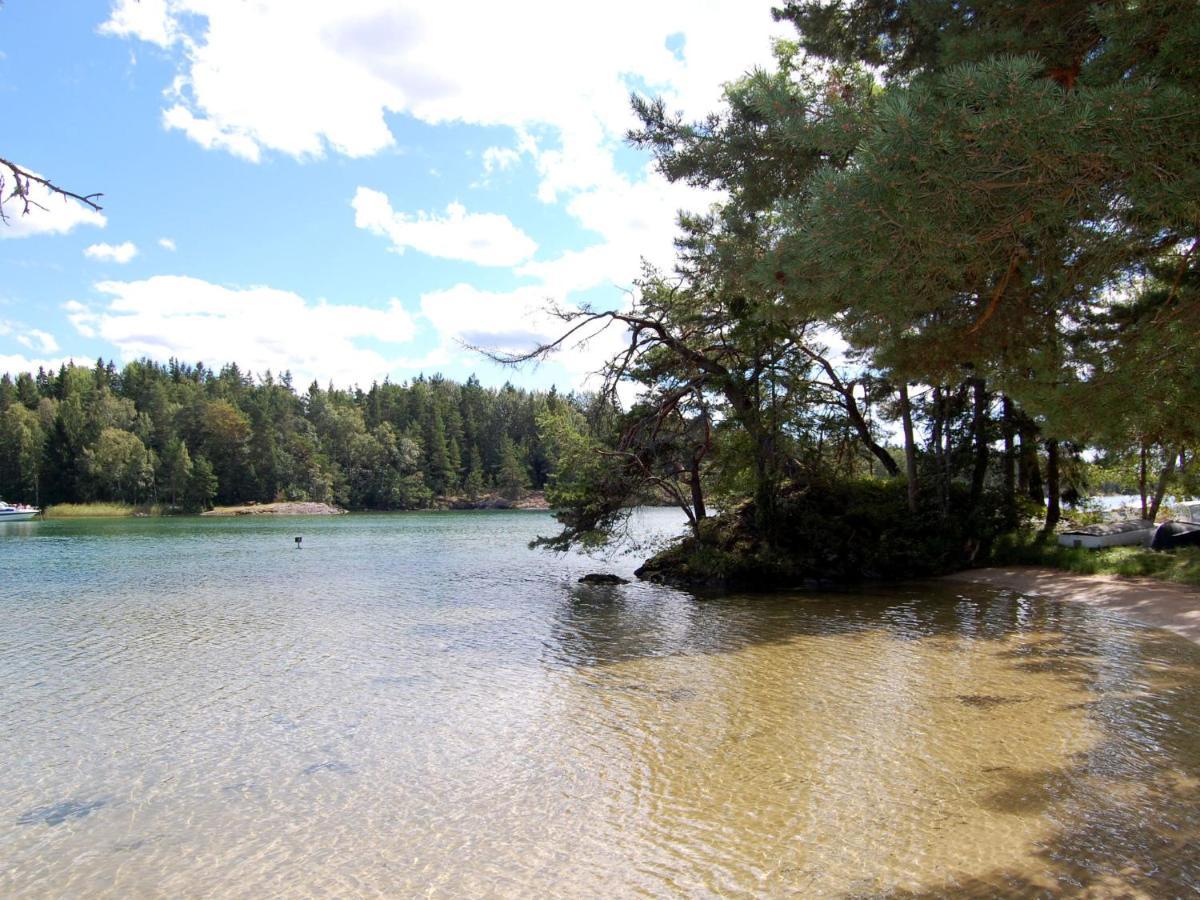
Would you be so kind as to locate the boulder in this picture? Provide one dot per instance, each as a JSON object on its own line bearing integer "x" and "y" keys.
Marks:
{"x": 602, "y": 578}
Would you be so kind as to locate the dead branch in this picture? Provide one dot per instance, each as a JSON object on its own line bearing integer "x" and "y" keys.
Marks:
{"x": 23, "y": 180}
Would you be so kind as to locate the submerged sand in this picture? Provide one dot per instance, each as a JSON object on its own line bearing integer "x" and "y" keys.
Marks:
{"x": 1175, "y": 607}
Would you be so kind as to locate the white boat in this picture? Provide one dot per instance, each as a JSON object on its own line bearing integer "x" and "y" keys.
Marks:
{"x": 18, "y": 513}
{"x": 1110, "y": 534}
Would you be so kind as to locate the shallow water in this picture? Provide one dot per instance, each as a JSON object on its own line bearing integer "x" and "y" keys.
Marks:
{"x": 416, "y": 704}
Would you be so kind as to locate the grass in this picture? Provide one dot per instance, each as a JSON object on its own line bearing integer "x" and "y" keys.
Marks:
{"x": 99, "y": 510}
{"x": 1181, "y": 566}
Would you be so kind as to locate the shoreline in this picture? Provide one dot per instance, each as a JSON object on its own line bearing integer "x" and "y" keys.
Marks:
{"x": 1159, "y": 604}
{"x": 285, "y": 508}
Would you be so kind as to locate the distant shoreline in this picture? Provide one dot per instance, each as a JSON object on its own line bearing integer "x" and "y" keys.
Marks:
{"x": 290, "y": 508}
{"x": 1175, "y": 607}
{"x": 532, "y": 500}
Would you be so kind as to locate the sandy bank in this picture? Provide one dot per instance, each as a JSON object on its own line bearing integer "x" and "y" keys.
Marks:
{"x": 1175, "y": 607}
{"x": 277, "y": 509}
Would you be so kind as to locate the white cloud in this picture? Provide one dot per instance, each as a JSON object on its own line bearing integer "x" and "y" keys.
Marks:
{"x": 634, "y": 219}
{"x": 487, "y": 239}
{"x": 210, "y": 134}
{"x": 301, "y": 76}
{"x": 45, "y": 342}
{"x": 147, "y": 20}
{"x": 118, "y": 253}
{"x": 167, "y": 244}
{"x": 306, "y": 78}
{"x": 515, "y": 322}
{"x": 497, "y": 159}
{"x": 14, "y": 364}
{"x": 49, "y": 213}
{"x": 29, "y": 338}
{"x": 259, "y": 328}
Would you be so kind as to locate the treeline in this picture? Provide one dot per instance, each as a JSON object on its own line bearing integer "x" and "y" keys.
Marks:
{"x": 189, "y": 436}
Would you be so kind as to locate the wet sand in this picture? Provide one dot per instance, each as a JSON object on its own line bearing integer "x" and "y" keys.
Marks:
{"x": 1175, "y": 607}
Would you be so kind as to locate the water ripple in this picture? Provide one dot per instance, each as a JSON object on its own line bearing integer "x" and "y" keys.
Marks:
{"x": 419, "y": 705}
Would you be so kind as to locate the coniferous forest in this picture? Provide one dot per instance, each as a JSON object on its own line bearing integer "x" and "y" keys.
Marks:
{"x": 189, "y": 437}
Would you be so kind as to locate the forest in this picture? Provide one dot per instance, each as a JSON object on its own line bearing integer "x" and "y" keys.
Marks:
{"x": 186, "y": 437}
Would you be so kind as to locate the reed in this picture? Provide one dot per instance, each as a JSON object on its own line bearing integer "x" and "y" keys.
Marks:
{"x": 100, "y": 510}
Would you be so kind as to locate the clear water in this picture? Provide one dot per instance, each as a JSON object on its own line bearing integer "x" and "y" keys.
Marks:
{"x": 416, "y": 704}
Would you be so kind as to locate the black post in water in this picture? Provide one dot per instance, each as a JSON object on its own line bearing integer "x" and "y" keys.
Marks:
{"x": 298, "y": 540}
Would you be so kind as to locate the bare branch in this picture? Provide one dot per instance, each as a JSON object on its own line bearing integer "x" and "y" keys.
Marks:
{"x": 23, "y": 180}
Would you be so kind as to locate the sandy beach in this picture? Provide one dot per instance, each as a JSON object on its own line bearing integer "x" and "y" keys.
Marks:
{"x": 1175, "y": 607}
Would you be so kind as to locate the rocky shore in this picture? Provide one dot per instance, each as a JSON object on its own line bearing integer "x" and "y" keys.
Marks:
{"x": 531, "y": 500}
{"x": 296, "y": 508}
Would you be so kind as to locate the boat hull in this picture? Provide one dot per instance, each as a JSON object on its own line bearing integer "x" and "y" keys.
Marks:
{"x": 18, "y": 516}
{"x": 1112, "y": 534}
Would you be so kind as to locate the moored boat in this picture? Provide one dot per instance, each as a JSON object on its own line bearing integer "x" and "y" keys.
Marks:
{"x": 1109, "y": 534}
{"x": 1174, "y": 534}
{"x": 18, "y": 513}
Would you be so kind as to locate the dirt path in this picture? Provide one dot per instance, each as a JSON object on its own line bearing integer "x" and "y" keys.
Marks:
{"x": 1175, "y": 607}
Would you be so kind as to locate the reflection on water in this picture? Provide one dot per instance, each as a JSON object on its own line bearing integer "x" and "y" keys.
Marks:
{"x": 417, "y": 704}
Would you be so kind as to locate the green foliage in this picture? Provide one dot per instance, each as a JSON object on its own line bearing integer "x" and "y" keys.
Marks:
{"x": 474, "y": 480}
{"x": 512, "y": 478}
{"x": 988, "y": 203}
{"x": 119, "y": 465}
{"x": 589, "y": 492}
{"x": 21, "y": 439}
{"x": 840, "y": 531}
{"x": 194, "y": 437}
{"x": 201, "y": 486}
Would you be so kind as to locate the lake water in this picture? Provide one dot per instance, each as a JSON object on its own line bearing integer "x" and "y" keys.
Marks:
{"x": 416, "y": 704}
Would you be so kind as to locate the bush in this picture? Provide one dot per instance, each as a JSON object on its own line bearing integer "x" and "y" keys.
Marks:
{"x": 830, "y": 532}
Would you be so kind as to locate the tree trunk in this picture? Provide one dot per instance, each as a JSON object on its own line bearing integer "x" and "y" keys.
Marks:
{"x": 1053, "y": 506}
{"x": 910, "y": 447}
{"x": 940, "y": 449}
{"x": 1029, "y": 472}
{"x": 846, "y": 391}
{"x": 864, "y": 432}
{"x": 697, "y": 494}
{"x": 766, "y": 469}
{"x": 979, "y": 426}
{"x": 1142, "y": 479}
{"x": 1161, "y": 488}
{"x": 1010, "y": 463}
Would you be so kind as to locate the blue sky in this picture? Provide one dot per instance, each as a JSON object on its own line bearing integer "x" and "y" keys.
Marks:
{"x": 343, "y": 190}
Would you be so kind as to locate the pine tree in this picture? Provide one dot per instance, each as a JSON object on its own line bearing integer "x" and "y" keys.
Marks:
{"x": 177, "y": 468}
{"x": 474, "y": 481}
{"x": 512, "y": 479}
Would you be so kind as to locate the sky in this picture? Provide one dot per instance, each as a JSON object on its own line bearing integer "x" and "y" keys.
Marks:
{"x": 349, "y": 191}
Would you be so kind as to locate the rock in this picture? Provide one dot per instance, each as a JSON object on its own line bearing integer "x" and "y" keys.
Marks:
{"x": 601, "y": 578}
{"x": 289, "y": 508}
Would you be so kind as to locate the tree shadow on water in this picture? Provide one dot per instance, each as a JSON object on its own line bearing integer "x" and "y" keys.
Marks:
{"x": 1125, "y": 813}
{"x": 1121, "y": 818}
